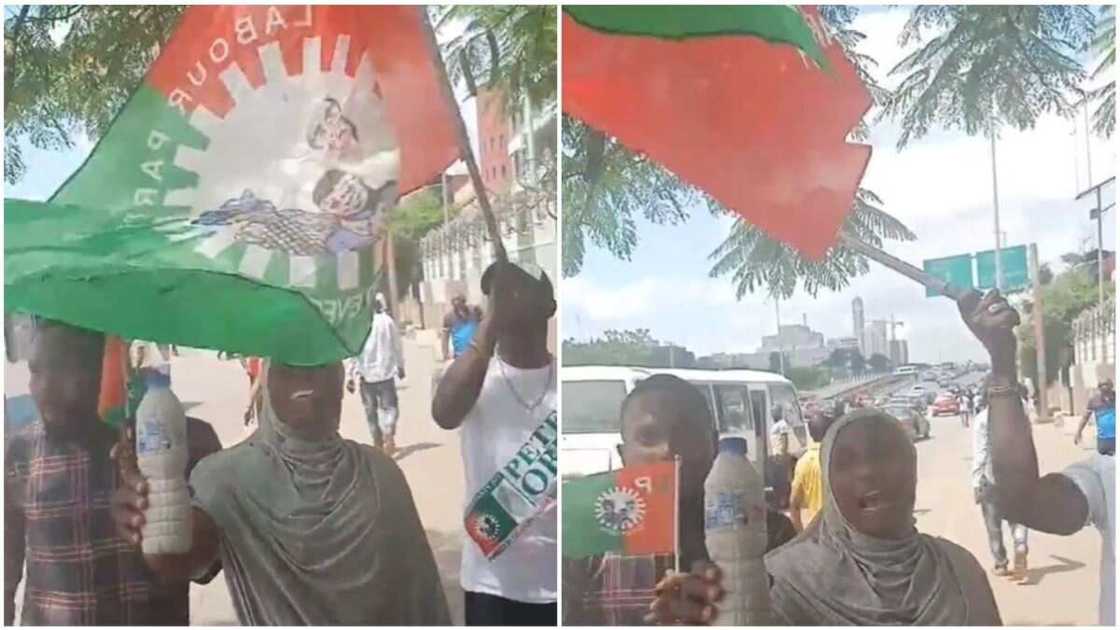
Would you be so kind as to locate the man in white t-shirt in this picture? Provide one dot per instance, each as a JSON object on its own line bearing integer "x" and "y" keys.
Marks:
{"x": 501, "y": 391}
{"x": 1057, "y": 503}
{"x": 373, "y": 372}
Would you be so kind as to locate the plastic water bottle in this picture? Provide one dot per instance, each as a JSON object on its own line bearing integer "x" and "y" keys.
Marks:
{"x": 735, "y": 534}
{"x": 161, "y": 453}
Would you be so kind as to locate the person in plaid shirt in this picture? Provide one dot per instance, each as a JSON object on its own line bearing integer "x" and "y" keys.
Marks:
{"x": 58, "y": 483}
{"x": 663, "y": 417}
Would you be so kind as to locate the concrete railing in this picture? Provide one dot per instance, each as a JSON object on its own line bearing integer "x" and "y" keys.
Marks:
{"x": 850, "y": 386}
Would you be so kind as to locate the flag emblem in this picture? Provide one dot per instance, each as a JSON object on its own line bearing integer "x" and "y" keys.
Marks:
{"x": 619, "y": 510}
{"x": 330, "y": 170}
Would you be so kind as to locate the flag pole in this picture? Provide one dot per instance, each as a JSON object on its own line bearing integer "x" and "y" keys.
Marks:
{"x": 465, "y": 151}
{"x": 902, "y": 267}
{"x": 677, "y": 514}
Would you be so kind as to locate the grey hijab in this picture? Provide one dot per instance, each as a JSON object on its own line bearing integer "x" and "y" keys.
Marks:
{"x": 832, "y": 574}
{"x": 319, "y": 532}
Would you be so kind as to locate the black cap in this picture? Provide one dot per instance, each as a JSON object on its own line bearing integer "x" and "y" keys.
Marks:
{"x": 529, "y": 270}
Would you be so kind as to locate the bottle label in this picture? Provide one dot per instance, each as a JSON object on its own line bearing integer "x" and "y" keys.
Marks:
{"x": 151, "y": 438}
{"x": 728, "y": 509}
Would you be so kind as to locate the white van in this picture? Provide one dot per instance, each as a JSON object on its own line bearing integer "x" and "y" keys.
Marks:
{"x": 742, "y": 403}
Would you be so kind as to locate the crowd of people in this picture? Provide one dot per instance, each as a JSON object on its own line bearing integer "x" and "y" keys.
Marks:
{"x": 307, "y": 527}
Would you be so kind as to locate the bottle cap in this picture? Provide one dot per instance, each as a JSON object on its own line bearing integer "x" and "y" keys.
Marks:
{"x": 733, "y": 445}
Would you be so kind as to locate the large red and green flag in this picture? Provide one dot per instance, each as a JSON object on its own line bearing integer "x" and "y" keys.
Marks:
{"x": 630, "y": 511}
{"x": 235, "y": 200}
{"x": 751, "y": 104}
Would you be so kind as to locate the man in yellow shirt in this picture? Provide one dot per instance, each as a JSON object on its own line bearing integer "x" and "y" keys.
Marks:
{"x": 806, "y": 491}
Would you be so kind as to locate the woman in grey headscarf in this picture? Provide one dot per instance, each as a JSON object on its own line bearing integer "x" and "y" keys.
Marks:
{"x": 310, "y": 528}
{"x": 861, "y": 561}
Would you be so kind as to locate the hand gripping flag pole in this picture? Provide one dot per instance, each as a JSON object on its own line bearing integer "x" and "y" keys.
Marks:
{"x": 465, "y": 151}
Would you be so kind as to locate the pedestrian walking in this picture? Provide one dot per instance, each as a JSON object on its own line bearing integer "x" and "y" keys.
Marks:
{"x": 308, "y": 528}
{"x": 1102, "y": 406}
{"x": 375, "y": 370}
{"x": 501, "y": 392}
{"x": 1056, "y": 503}
{"x": 780, "y": 462}
{"x": 861, "y": 561}
{"x": 983, "y": 491}
{"x": 459, "y": 327}
{"x": 57, "y": 519}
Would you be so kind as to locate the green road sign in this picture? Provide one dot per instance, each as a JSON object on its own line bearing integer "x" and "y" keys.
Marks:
{"x": 1015, "y": 274}
{"x": 956, "y": 270}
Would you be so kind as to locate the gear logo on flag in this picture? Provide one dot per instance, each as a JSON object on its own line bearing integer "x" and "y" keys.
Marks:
{"x": 619, "y": 510}
{"x": 298, "y": 175}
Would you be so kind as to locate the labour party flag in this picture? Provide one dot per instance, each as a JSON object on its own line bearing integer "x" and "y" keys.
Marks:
{"x": 235, "y": 200}
{"x": 631, "y": 511}
{"x": 751, "y": 104}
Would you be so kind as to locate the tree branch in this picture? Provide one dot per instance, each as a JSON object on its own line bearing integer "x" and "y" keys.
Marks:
{"x": 10, "y": 61}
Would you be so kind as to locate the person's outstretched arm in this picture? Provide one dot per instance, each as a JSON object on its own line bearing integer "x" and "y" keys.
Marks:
{"x": 1052, "y": 503}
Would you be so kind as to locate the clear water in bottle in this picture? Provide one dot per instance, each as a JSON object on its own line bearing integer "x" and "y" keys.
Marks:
{"x": 162, "y": 454}
{"x": 735, "y": 535}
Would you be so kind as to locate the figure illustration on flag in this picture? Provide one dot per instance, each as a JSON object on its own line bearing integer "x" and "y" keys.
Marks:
{"x": 253, "y": 169}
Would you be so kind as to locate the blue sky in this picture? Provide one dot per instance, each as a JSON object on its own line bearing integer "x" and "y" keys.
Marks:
{"x": 940, "y": 186}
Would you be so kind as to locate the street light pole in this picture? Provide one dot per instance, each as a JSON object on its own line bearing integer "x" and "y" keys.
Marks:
{"x": 1100, "y": 250}
{"x": 1098, "y": 214}
{"x": 781, "y": 356}
{"x": 995, "y": 206}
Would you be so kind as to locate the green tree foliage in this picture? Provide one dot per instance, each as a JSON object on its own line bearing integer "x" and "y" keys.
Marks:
{"x": 1068, "y": 295}
{"x": 858, "y": 364}
{"x": 808, "y": 378}
{"x": 755, "y": 261}
{"x": 879, "y": 363}
{"x": 417, "y": 215}
{"x": 509, "y": 47}
{"x": 981, "y": 67}
{"x": 1104, "y": 44}
{"x": 68, "y": 70}
{"x": 614, "y": 347}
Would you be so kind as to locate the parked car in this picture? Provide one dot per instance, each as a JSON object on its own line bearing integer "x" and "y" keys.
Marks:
{"x": 913, "y": 421}
{"x": 946, "y": 403}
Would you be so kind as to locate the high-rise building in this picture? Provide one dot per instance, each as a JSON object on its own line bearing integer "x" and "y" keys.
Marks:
{"x": 857, "y": 322}
{"x": 900, "y": 352}
{"x": 875, "y": 339}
